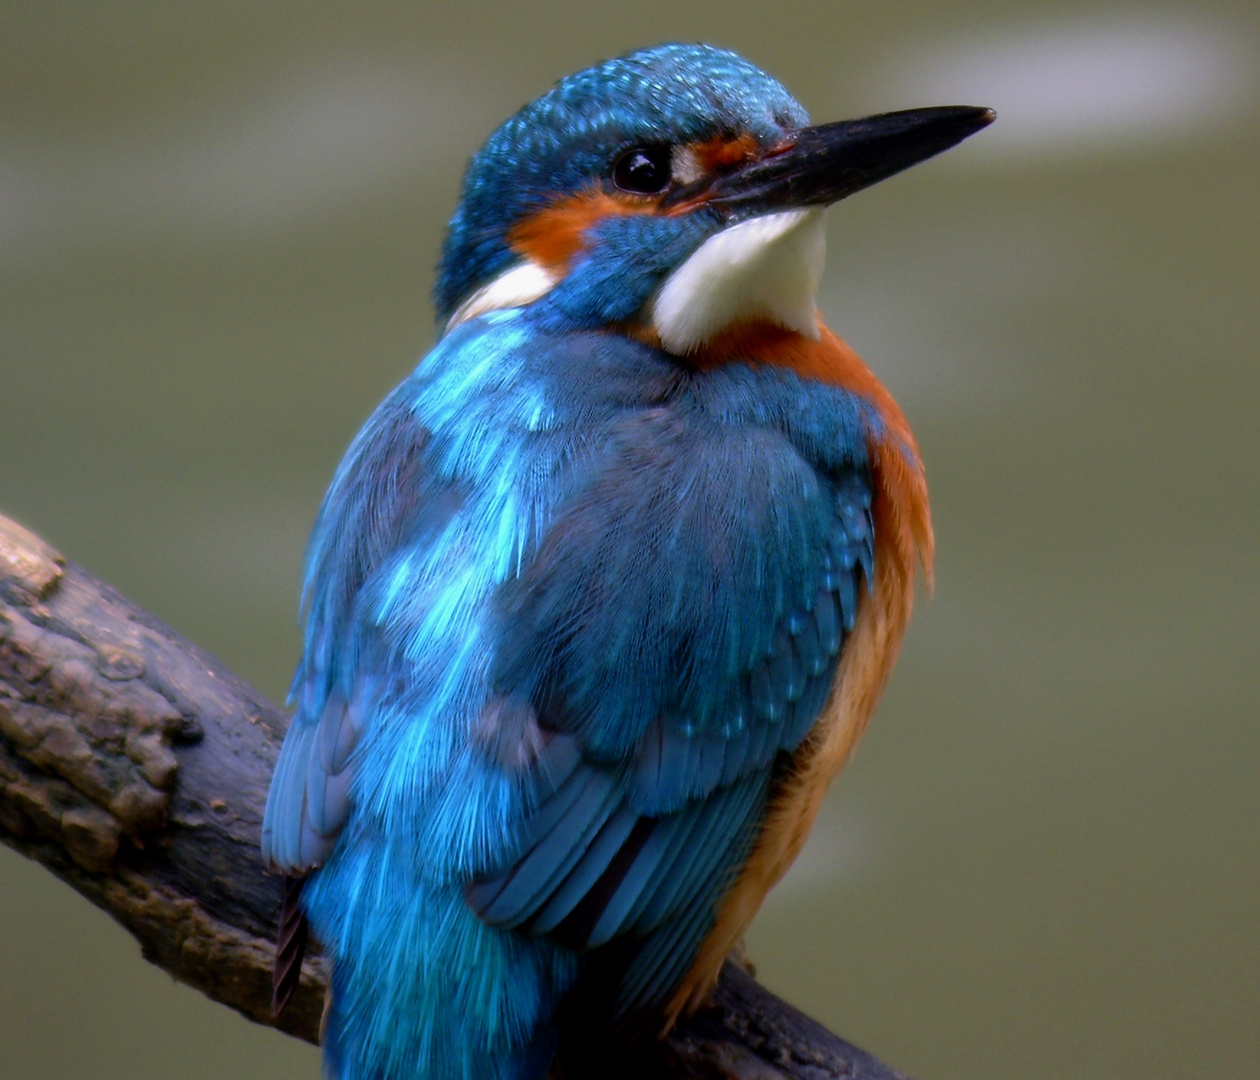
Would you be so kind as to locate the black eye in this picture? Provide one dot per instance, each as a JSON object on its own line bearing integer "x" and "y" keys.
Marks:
{"x": 644, "y": 170}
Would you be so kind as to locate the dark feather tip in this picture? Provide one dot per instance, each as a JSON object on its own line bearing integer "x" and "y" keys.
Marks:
{"x": 290, "y": 947}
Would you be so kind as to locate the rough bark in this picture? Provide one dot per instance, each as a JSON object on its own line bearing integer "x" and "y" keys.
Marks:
{"x": 135, "y": 768}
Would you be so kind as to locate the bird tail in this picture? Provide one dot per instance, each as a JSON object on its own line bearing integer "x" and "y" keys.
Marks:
{"x": 290, "y": 946}
{"x": 421, "y": 988}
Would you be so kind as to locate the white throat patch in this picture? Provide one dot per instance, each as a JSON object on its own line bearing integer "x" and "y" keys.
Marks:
{"x": 766, "y": 268}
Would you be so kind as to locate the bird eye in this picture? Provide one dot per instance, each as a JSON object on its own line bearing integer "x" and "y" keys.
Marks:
{"x": 645, "y": 170}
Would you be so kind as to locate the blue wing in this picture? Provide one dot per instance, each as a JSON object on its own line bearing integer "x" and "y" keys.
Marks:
{"x": 677, "y": 632}
{"x": 373, "y": 503}
{"x": 568, "y": 607}
{"x": 640, "y": 841}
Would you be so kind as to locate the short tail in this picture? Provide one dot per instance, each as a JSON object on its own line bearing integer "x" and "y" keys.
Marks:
{"x": 290, "y": 946}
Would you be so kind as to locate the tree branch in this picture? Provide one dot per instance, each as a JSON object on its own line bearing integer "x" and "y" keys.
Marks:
{"x": 135, "y": 768}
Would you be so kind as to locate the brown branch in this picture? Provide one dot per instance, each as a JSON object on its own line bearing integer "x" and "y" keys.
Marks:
{"x": 135, "y": 768}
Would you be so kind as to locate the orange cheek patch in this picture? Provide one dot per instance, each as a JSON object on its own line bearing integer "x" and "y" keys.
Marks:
{"x": 555, "y": 234}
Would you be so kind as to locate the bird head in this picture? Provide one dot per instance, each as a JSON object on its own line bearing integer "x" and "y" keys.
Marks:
{"x": 674, "y": 192}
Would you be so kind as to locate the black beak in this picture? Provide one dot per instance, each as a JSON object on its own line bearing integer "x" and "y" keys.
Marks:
{"x": 820, "y": 165}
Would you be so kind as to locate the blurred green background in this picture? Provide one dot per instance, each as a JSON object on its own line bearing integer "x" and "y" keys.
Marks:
{"x": 217, "y": 231}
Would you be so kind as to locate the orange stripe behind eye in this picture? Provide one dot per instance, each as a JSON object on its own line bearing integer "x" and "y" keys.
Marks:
{"x": 555, "y": 234}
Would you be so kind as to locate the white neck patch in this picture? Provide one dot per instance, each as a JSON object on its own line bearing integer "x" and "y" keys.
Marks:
{"x": 767, "y": 268}
{"x": 518, "y": 285}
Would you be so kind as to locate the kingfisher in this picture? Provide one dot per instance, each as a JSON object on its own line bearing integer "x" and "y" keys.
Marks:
{"x": 603, "y": 595}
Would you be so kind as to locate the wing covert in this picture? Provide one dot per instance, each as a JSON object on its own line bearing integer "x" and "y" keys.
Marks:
{"x": 309, "y": 799}
{"x": 645, "y": 845}
{"x": 375, "y": 504}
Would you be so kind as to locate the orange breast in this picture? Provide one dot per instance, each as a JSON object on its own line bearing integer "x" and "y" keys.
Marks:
{"x": 903, "y": 535}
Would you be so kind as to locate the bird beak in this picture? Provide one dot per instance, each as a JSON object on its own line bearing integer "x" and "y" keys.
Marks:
{"x": 817, "y": 166}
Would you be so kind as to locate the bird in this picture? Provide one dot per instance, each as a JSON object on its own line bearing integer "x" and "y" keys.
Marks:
{"x": 603, "y": 595}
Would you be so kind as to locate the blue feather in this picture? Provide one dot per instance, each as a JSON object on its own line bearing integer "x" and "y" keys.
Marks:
{"x": 583, "y": 877}
{"x": 641, "y": 880}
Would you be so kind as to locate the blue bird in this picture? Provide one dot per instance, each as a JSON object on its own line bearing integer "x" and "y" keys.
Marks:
{"x": 602, "y": 596}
